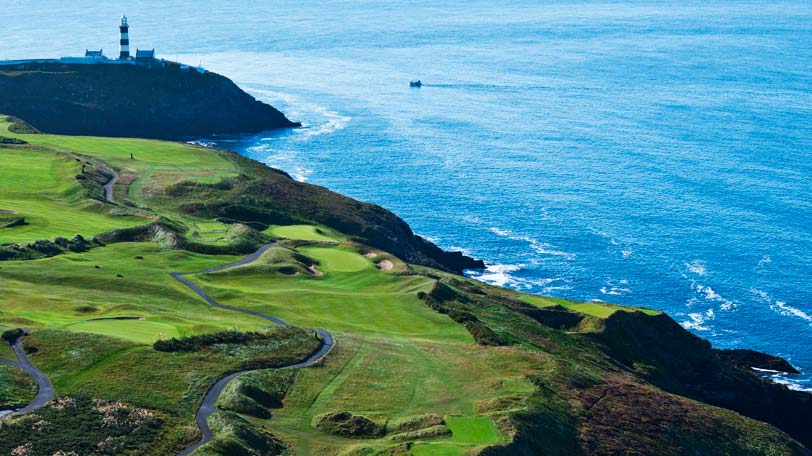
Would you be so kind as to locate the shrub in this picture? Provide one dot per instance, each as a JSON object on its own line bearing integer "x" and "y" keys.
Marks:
{"x": 346, "y": 424}
{"x": 12, "y": 335}
{"x": 201, "y": 341}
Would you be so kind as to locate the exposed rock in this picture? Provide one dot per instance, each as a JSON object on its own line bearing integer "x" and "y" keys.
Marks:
{"x": 754, "y": 359}
{"x": 170, "y": 103}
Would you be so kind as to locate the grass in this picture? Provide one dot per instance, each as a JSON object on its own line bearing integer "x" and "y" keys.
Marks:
{"x": 69, "y": 291}
{"x": 305, "y": 233}
{"x": 395, "y": 360}
{"x": 16, "y": 387}
{"x": 144, "y": 331}
{"x": 403, "y": 358}
{"x": 400, "y": 379}
{"x": 337, "y": 259}
{"x": 472, "y": 429}
{"x": 39, "y": 183}
{"x": 436, "y": 449}
{"x": 595, "y": 309}
{"x": 40, "y": 187}
{"x": 368, "y": 301}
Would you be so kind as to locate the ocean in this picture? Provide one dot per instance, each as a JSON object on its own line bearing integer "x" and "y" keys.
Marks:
{"x": 645, "y": 153}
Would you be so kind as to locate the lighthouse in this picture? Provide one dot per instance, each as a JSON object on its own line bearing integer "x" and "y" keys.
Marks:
{"x": 125, "y": 39}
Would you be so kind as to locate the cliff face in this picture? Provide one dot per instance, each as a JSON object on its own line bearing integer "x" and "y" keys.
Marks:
{"x": 660, "y": 350}
{"x": 132, "y": 101}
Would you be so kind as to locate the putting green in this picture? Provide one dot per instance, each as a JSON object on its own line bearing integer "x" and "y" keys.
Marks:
{"x": 143, "y": 331}
{"x": 336, "y": 259}
{"x": 595, "y": 309}
{"x": 303, "y": 232}
{"x": 472, "y": 429}
{"x": 436, "y": 449}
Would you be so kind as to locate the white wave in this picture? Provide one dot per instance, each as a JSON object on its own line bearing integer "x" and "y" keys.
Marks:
{"x": 316, "y": 119}
{"x": 498, "y": 274}
{"x": 709, "y": 294}
{"x": 203, "y": 143}
{"x": 300, "y": 173}
{"x": 542, "y": 248}
{"x": 697, "y": 320}
{"x": 765, "y": 260}
{"x": 502, "y": 275}
{"x": 780, "y": 307}
{"x": 697, "y": 267}
{"x": 626, "y": 252}
{"x": 615, "y": 289}
{"x": 500, "y": 232}
{"x": 780, "y": 377}
{"x": 788, "y": 310}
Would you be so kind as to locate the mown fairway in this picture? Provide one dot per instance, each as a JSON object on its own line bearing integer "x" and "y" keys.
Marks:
{"x": 75, "y": 291}
{"x": 37, "y": 181}
{"x": 401, "y": 357}
{"x": 351, "y": 296}
{"x": 39, "y": 185}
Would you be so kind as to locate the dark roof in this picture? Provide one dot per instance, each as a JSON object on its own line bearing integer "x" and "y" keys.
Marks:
{"x": 146, "y": 54}
{"x": 89, "y": 53}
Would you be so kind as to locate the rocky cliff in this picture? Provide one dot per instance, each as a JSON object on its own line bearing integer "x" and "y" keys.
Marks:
{"x": 132, "y": 101}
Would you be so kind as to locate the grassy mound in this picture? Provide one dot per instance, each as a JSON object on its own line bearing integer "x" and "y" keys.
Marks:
{"x": 236, "y": 437}
{"x": 257, "y": 392}
{"x": 346, "y": 424}
{"x": 430, "y": 432}
{"x": 272, "y": 348}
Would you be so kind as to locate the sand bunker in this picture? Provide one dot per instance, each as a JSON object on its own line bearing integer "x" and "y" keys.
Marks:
{"x": 315, "y": 271}
{"x": 371, "y": 255}
{"x": 385, "y": 265}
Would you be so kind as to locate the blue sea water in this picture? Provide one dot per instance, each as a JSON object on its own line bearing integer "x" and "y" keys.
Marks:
{"x": 645, "y": 153}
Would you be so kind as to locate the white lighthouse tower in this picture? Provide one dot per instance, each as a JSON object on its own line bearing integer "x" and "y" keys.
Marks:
{"x": 125, "y": 39}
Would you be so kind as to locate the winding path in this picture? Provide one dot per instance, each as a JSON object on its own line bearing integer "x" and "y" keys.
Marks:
{"x": 207, "y": 407}
{"x": 45, "y": 391}
{"x": 108, "y": 187}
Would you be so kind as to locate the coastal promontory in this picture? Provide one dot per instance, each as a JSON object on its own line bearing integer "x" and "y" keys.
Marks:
{"x": 171, "y": 101}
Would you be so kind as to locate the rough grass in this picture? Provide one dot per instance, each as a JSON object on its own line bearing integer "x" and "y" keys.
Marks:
{"x": 399, "y": 381}
{"x": 84, "y": 426}
{"x": 17, "y": 388}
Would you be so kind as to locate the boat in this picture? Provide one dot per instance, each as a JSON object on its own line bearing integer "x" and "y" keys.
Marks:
{"x": 417, "y": 83}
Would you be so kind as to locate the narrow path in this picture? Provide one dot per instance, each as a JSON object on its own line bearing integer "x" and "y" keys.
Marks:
{"x": 45, "y": 391}
{"x": 108, "y": 187}
{"x": 207, "y": 407}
